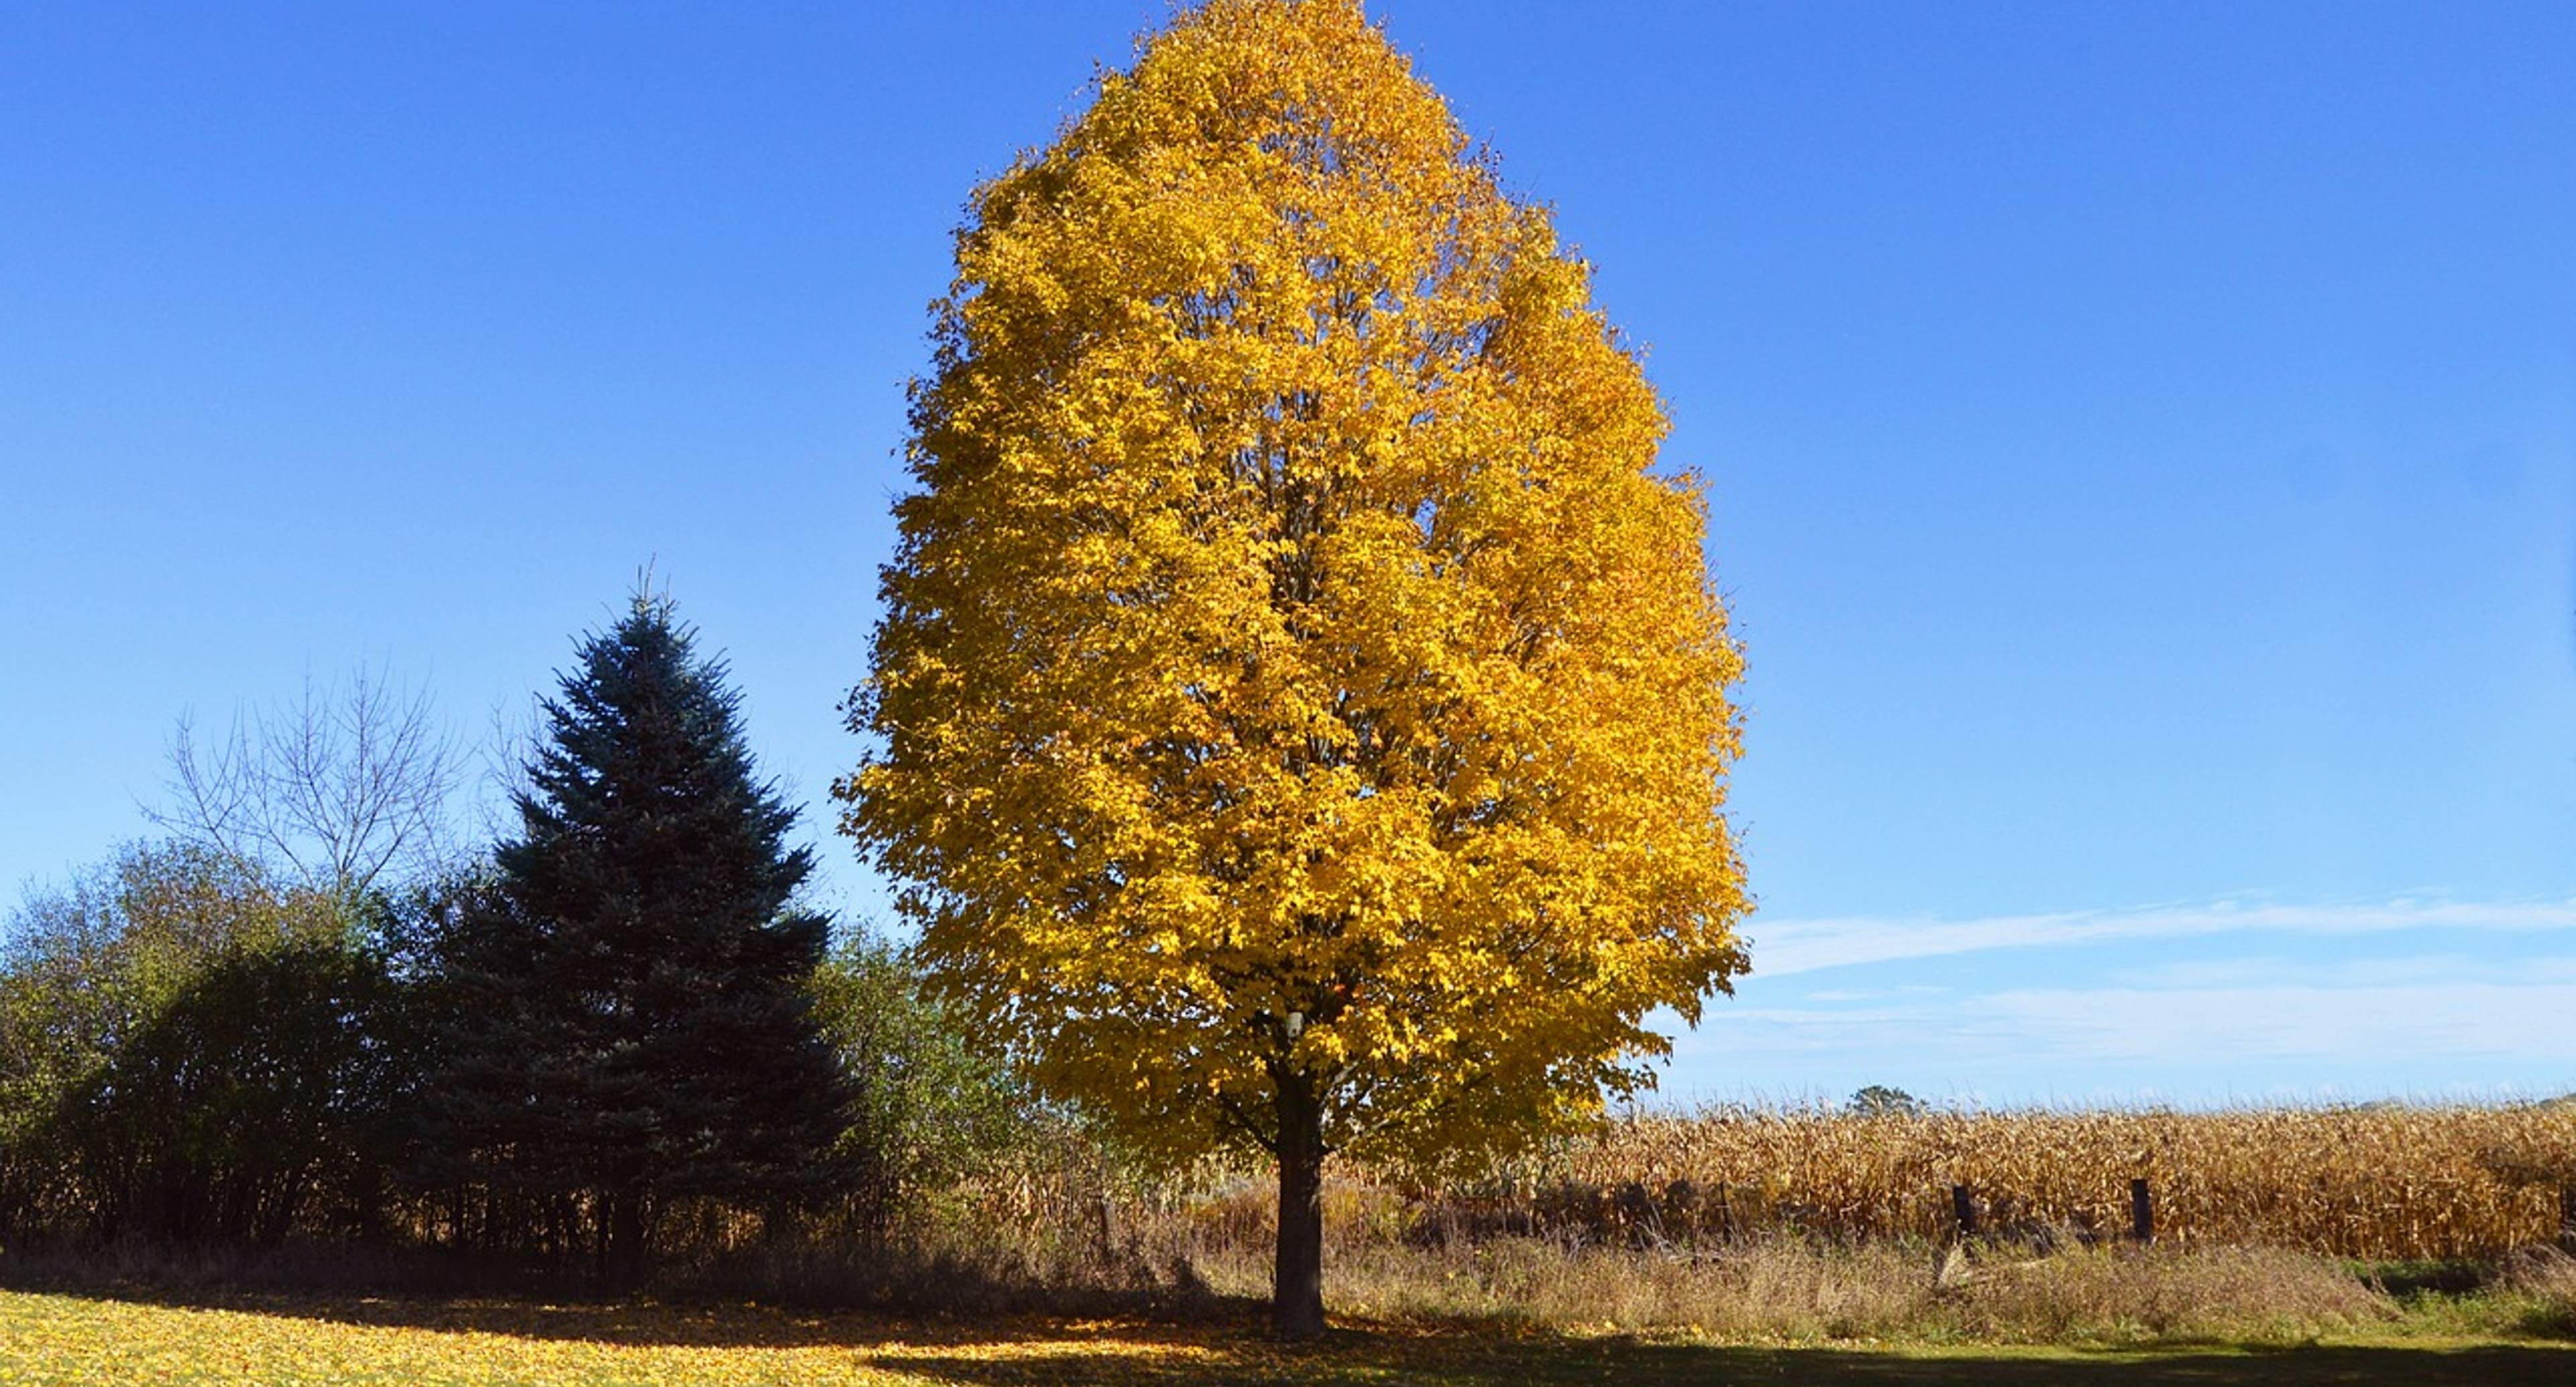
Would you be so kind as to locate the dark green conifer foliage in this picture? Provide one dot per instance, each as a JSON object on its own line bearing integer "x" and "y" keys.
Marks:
{"x": 627, "y": 1015}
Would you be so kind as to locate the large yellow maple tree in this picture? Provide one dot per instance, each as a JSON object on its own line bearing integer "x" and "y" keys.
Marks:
{"x": 1301, "y": 710}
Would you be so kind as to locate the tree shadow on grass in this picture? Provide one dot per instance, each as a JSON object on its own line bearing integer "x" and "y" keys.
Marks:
{"x": 1454, "y": 1360}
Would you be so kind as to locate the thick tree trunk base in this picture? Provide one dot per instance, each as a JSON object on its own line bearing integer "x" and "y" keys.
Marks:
{"x": 1297, "y": 1278}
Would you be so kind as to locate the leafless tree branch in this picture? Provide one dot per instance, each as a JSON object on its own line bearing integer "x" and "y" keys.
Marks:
{"x": 336, "y": 789}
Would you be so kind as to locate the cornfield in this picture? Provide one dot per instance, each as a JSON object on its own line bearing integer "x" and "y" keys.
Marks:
{"x": 2379, "y": 1182}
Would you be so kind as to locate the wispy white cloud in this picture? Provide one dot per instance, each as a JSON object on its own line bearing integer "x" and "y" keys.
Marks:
{"x": 2442, "y": 1003}
{"x": 2203, "y": 1044}
{"x": 2414, "y": 970}
{"x": 2465, "y": 1021}
{"x": 1783, "y": 948}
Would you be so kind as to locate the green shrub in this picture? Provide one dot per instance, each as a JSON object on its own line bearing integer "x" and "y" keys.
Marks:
{"x": 929, "y": 1108}
{"x": 189, "y": 1052}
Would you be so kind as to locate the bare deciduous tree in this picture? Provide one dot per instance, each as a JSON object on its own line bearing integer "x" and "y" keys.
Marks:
{"x": 334, "y": 789}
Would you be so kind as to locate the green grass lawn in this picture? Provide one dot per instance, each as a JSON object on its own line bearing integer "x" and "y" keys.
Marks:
{"x": 67, "y": 1339}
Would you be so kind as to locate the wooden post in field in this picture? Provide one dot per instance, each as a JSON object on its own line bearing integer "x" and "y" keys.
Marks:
{"x": 1964, "y": 1210}
{"x": 2567, "y": 1218}
{"x": 2142, "y": 1212}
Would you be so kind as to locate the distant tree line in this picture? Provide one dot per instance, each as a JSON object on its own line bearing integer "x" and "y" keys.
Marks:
{"x": 618, "y": 1029}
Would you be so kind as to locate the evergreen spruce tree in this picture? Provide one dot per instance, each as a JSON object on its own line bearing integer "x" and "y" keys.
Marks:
{"x": 627, "y": 1019}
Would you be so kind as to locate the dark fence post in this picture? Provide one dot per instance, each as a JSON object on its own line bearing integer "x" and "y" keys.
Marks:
{"x": 1964, "y": 1210}
{"x": 2567, "y": 1218}
{"x": 2142, "y": 1212}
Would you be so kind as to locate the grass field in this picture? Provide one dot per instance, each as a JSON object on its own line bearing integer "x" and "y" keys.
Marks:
{"x": 62, "y": 1340}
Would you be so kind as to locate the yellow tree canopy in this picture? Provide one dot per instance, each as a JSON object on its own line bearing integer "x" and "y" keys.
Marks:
{"x": 1296, "y": 676}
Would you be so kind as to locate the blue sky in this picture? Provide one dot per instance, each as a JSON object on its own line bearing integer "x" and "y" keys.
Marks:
{"x": 2141, "y": 443}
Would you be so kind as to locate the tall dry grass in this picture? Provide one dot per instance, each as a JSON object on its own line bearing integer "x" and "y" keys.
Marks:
{"x": 1781, "y": 1289}
{"x": 2380, "y": 1182}
{"x": 2538, "y": 1293}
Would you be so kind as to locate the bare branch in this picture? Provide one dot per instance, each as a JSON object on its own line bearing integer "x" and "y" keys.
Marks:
{"x": 334, "y": 790}
{"x": 214, "y": 791}
{"x": 508, "y": 748}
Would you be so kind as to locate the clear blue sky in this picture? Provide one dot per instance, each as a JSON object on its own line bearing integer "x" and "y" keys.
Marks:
{"x": 2141, "y": 442}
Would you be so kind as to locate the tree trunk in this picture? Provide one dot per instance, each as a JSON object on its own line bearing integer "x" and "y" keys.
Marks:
{"x": 630, "y": 1237}
{"x": 1297, "y": 1278}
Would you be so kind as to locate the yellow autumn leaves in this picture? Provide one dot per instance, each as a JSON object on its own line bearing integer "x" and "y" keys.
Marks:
{"x": 69, "y": 1341}
{"x": 1295, "y": 662}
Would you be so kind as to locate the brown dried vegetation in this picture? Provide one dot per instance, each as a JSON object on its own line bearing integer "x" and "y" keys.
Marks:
{"x": 2378, "y": 1182}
